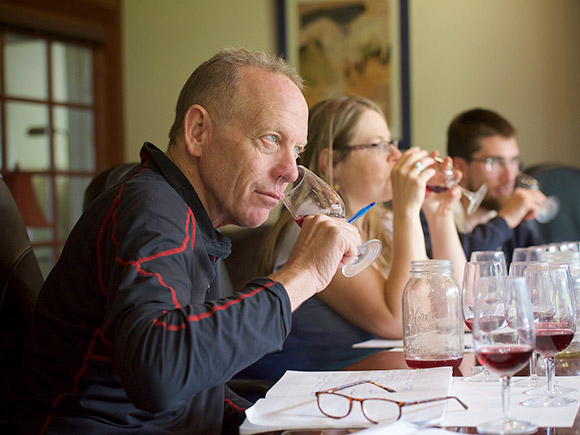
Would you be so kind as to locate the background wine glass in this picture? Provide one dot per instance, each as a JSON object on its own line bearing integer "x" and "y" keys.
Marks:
{"x": 490, "y": 256}
{"x": 505, "y": 343}
{"x": 529, "y": 253}
{"x": 473, "y": 272}
{"x": 550, "y": 208}
{"x": 311, "y": 195}
{"x": 517, "y": 269}
{"x": 554, "y": 310}
{"x": 445, "y": 179}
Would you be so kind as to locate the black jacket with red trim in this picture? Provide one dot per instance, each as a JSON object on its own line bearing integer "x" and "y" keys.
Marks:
{"x": 130, "y": 334}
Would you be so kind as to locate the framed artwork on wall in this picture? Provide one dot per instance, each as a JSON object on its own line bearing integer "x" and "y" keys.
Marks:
{"x": 350, "y": 47}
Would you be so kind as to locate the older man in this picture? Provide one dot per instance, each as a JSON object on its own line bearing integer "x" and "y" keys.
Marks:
{"x": 484, "y": 147}
{"x": 130, "y": 334}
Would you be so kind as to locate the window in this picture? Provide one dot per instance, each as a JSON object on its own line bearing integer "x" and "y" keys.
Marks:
{"x": 60, "y": 108}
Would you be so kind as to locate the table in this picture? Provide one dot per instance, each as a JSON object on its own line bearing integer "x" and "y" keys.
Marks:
{"x": 388, "y": 360}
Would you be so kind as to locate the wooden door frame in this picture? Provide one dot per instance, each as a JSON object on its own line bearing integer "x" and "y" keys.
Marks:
{"x": 95, "y": 21}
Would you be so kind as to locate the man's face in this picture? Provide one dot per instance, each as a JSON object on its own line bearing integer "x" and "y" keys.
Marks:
{"x": 497, "y": 164}
{"x": 244, "y": 158}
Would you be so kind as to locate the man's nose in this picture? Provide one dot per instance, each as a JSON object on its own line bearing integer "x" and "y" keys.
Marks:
{"x": 286, "y": 167}
{"x": 509, "y": 173}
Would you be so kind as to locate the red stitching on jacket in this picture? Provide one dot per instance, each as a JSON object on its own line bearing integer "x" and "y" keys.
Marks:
{"x": 233, "y": 405}
{"x": 214, "y": 309}
{"x": 137, "y": 263}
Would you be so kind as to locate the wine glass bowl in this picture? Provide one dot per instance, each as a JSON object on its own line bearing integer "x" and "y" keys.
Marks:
{"x": 517, "y": 269}
{"x": 503, "y": 340}
{"x": 552, "y": 294}
{"x": 550, "y": 208}
{"x": 310, "y": 195}
{"x": 444, "y": 179}
{"x": 490, "y": 256}
{"x": 474, "y": 271}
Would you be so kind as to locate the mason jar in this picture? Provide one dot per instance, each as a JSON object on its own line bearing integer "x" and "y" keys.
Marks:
{"x": 432, "y": 319}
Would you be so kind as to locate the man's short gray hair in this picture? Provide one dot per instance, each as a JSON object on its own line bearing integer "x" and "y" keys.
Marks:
{"x": 214, "y": 84}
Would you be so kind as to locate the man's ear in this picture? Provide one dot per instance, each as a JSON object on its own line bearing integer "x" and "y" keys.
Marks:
{"x": 461, "y": 164}
{"x": 196, "y": 126}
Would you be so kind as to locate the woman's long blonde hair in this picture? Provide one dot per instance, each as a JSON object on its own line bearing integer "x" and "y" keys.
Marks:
{"x": 331, "y": 126}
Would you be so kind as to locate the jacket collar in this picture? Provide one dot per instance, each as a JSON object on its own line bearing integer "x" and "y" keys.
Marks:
{"x": 216, "y": 243}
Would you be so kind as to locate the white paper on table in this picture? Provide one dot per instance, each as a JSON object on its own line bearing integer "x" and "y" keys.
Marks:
{"x": 403, "y": 428}
{"x": 379, "y": 343}
{"x": 291, "y": 403}
{"x": 484, "y": 401}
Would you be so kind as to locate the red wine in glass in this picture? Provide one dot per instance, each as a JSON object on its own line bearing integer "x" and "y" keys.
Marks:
{"x": 549, "y": 342}
{"x": 435, "y": 362}
{"x": 332, "y": 213}
{"x": 489, "y": 323}
{"x": 444, "y": 179}
{"x": 505, "y": 360}
{"x": 437, "y": 189}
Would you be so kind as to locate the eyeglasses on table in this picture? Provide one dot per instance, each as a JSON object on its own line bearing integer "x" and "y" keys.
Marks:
{"x": 336, "y": 405}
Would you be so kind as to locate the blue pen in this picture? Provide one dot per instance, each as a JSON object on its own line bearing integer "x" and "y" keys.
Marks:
{"x": 360, "y": 213}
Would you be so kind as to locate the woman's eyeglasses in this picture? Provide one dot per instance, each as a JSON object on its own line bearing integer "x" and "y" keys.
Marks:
{"x": 379, "y": 147}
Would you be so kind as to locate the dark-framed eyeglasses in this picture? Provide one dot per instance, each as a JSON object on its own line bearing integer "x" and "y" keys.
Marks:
{"x": 375, "y": 410}
{"x": 495, "y": 164}
{"x": 379, "y": 147}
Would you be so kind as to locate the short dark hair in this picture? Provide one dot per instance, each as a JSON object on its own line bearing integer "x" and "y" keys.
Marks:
{"x": 469, "y": 127}
{"x": 214, "y": 84}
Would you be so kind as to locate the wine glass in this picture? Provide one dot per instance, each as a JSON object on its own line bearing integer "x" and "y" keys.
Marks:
{"x": 473, "y": 272}
{"x": 529, "y": 253}
{"x": 550, "y": 208}
{"x": 504, "y": 344}
{"x": 490, "y": 256}
{"x": 554, "y": 309}
{"x": 517, "y": 269}
{"x": 311, "y": 195}
{"x": 445, "y": 179}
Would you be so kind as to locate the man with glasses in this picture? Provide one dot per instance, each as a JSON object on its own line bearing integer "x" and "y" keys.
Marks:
{"x": 484, "y": 147}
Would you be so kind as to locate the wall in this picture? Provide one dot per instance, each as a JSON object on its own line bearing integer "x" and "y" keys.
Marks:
{"x": 164, "y": 41}
{"x": 519, "y": 57}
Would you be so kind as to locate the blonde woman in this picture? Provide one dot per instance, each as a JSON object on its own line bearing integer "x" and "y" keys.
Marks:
{"x": 350, "y": 146}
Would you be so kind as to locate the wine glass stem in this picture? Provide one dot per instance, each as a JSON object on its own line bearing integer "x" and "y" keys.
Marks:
{"x": 534, "y": 366}
{"x": 550, "y": 374}
{"x": 505, "y": 396}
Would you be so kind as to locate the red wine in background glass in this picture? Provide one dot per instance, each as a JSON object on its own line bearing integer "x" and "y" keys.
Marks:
{"x": 437, "y": 189}
{"x": 428, "y": 363}
{"x": 549, "y": 342}
{"x": 489, "y": 323}
{"x": 505, "y": 360}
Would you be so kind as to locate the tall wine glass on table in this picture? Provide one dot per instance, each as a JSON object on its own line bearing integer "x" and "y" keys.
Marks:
{"x": 475, "y": 271}
{"x": 554, "y": 309}
{"x": 311, "y": 195}
{"x": 505, "y": 344}
{"x": 517, "y": 269}
{"x": 490, "y": 256}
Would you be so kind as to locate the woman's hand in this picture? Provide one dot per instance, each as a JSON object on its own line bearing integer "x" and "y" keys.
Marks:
{"x": 409, "y": 178}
